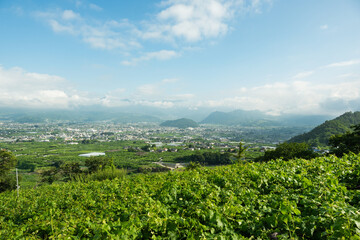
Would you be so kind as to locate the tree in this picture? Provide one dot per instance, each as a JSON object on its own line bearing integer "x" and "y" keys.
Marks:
{"x": 26, "y": 165}
{"x": 146, "y": 148}
{"x": 95, "y": 164}
{"x": 69, "y": 170}
{"x": 57, "y": 163}
{"x": 7, "y": 162}
{"x": 207, "y": 158}
{"x": 50, "y": 175}
{"x": 346, "y": 143}
{"x": 288, "y": 151}
{"x": 241, "y": 152}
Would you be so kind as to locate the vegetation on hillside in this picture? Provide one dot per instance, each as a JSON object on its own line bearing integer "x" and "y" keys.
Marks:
{"x": 288, "y": 151}
{"x": 322, "y": 133}
{"x": 207, "y": 158}
{"x": 180, "y": 123}
{"x": 346, "y": 143}
{"x": 298, "y": 199}
{"x": 7, "y": 162}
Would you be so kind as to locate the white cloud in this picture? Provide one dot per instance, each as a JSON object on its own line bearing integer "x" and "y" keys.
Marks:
{"x": 115, "y": 98}
{"x": 347, "y": 75}
{"x": 159, "y": 55}
{"x": 106, "y": 35}
{"x": 148, "y": 89}
{"x": 324, "y": 27}
{"x": 177, "y": 22}
{"x": 302, "y": 75}
{"x": 57, "y": 27}
{"x": 156, "y": 89}
{"x": 190, "y": 20}
{"x": 162, "y": 94}
{"x": 343, "y": 64}
{"x": 25, "y": 89}
{"x": 290, "y": 97}
{"x": 95, "y": 7}
{"x": 69, "y": 15}
{"x": 29, "y": 89}
{"x": 184, "y": 96}
{"x": 196, "y": 20}
{"x": 159, "y": 103}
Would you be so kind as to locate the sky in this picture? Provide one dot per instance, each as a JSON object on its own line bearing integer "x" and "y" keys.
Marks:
{"x": 276, "y": 56}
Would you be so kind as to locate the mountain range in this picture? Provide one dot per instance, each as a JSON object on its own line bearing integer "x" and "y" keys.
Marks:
{"x": 131, "y": 115}
{"x": 257, "y": 118}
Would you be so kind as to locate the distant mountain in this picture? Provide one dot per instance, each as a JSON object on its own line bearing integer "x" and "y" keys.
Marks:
{"x": 180, "y": 123}
{"x": 41, "y": 116}
{"x": 321, "y": 134}
{"x": 302, "y": 120}
{"x": 257, "y": 118}
{"x": 237, "y": 117}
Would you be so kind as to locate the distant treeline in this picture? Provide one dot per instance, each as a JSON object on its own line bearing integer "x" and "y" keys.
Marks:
{"x": 207, "y": 158}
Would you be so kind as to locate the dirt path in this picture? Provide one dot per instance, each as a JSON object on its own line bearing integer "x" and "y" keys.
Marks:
{"x": 177, "y": 165}
{"x": 162, "y": 165}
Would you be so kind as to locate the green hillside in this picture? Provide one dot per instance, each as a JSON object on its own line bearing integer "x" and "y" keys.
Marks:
{"x": 321, "y": 134}
{"x": 180, "y": 123}
{"x": 297, "y": 199}
{"x": 236, "y": 117}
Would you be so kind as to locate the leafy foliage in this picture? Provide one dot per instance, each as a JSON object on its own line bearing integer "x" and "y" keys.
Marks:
{"x": 70, "y": 170}
{"x": 7, "y": 162}
{"x": 288, "y": 151}
{"x": 345, "y": 143}
{"x": 207, "y": 158}
{"x": 299, "y": 199}
{"x": 50, "y": 175}
{"x": 106, "y": 174}
{"x": 25, "y": 164}
{"x": 95, "y": 164}
{"x": 241, "y": 152}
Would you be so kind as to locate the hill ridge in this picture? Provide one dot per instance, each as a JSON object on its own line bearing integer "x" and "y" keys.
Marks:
{"x": 321, "y": 134}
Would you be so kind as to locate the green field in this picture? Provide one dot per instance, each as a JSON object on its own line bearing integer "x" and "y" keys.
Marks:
{"x": 297, "y": 199}
{"x": 44, "y": 154}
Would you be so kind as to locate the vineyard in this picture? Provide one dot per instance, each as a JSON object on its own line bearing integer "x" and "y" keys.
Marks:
{"x": 296, "y": 199}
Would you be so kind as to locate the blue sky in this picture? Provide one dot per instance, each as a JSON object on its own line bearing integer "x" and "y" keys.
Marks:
{"x": 277, "y": 56}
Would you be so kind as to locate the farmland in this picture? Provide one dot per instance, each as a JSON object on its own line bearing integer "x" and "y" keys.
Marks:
{"x": 314, "y": 199}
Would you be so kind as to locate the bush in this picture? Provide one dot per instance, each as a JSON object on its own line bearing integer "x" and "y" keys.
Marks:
{"x": 288, "y": 151}
{"x": 26, "y": 165}
{"x": 7, "y": 162}
{"x": 7, "y": 182}
{"x": 68, "y": 170}
{"x": 95, "y": 164}
{"x": 101, "y": 175}
{"x": 345, "y": 143}
{"x": 193, "y": 165}
{"x": 51, "y": 175}
{"x": 207, "y": 158}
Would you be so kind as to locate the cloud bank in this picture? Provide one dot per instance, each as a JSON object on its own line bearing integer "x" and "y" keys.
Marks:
{"x": 37, "y": 90}
{"x": 20, "y": 88}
